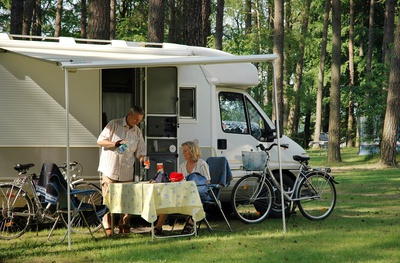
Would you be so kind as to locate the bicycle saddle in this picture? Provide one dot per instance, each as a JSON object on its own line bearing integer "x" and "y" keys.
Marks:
{"x": 300, "y": 158}
{"x": 23, "y": 167}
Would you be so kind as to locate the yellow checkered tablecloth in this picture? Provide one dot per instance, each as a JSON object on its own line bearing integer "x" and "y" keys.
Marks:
{"x": 151, "y": 199}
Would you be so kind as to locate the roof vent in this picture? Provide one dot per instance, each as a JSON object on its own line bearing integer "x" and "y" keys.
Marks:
{"x": 118, "y": 43}
{"x": 67, "y": 40}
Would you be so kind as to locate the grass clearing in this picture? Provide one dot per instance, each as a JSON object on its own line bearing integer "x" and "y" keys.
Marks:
{"x": 364, "y": 227}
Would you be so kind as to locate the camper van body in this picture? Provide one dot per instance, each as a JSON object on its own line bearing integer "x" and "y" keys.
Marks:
{"x": 56, "y": 97}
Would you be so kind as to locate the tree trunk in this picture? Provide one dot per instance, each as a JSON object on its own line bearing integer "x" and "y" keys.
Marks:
{"x": 278, "y": 50}
{"x": 28, "y": 14}
{"x": 247, "y": 23}
{"x": 307, "y": 134}
{"x": 294, "y": 112}
{"x": 113, "y": 5}
{"x": 156, "y": 21}
{"x": 57, "y": 28}
{"x": 351, "y": 131}
{"x": 370, "y": 127}
{"x": 205, "y": 21}
{"x": 99, "y": 19}
{"x": 83, "y": 18}
{"x": 192, "y": 34}
{"x": 391, "y": 123}
{"x": 37, "y": 25}
{"x": 258, "y": 27}
{"x": 171, "y": 21}
{"x": 370, "y": 39}
{"x": 17, "y": 16}
{"x": 350, "y": 134}
{"x": 388, "y": 30}
{"x": 321, "y": 73}
{"x": 287, "y": 73}
{"x": 219, "y": 24}
{"x": 334, "y": 117}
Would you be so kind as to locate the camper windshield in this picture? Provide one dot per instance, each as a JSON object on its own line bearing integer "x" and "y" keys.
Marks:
{"x": 238, "y": 114}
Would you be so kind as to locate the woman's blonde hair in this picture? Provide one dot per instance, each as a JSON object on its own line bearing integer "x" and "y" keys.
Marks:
{"x": 193, "y": 149}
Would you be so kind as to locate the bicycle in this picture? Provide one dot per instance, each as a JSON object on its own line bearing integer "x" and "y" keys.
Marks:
{"x": 255, "y": 195}
{"x": 18, "y": 209}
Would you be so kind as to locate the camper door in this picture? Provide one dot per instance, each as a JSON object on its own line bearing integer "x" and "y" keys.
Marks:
{"x": 242, "y": 125}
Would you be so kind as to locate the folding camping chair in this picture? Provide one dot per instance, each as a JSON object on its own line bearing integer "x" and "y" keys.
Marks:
{"x": 221, "y": 176}
{"x": 57, "y": 194}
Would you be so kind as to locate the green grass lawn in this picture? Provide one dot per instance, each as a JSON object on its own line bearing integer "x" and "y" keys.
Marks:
{"x": 364, "y": 227}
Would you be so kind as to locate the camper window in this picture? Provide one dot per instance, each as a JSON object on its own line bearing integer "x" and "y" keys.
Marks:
{"x": 233, "y": 115}
{"x": 238, "y": 114}
{"x": 257, "y": 122}
{"x": 187, "y": 99}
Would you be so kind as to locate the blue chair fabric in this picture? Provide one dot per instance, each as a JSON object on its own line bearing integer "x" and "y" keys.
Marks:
{"x": 57, "y": 193}
{"x": 221, "y": 176}
{"x": 220, "y": 171}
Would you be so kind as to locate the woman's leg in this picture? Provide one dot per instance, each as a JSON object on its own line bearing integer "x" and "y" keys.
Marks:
{"x": 161, "y": 221}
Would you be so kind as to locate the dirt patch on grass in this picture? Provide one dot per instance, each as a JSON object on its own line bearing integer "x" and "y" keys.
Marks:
{"x": 362, "y": 167}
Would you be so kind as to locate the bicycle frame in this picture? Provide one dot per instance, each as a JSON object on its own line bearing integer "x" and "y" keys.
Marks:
{"x": 38, "y": 211}
{"x": 289, "y": 195}
{"x": 268, "y": 175}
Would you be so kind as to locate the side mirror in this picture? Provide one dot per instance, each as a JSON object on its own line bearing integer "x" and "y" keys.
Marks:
{"x": 271, "y": 134}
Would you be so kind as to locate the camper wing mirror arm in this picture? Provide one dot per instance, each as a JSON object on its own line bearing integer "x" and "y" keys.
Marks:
{"x": 272, "y": 134}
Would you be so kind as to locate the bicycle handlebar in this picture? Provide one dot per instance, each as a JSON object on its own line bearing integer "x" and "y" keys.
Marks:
{"x": 64, "y": 166}
{"x": 262, "y": 147}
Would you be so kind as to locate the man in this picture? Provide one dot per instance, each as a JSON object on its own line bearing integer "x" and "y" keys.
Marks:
{"x": 118, "y": 167}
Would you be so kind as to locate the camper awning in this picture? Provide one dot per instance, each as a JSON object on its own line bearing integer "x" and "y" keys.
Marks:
{"x": 70, "y": 55}
{"x": 79, "y": 60}
{"x": 241, "y": 71}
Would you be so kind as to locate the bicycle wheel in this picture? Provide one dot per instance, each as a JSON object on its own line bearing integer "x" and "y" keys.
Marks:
{"x": 16, "y": 211}
{"x": 317, "y": 196}
{"x": 248, "y": 203}
{"x": 78, "y": 225}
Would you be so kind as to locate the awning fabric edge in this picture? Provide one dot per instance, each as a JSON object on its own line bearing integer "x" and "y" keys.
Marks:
{"x": 167, "y": 62}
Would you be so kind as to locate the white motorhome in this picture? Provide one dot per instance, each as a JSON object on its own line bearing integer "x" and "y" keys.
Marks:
{"x": 56, "y": 95}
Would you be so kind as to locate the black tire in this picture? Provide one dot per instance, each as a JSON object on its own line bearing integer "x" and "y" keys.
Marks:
{"x": 317, "y": 194}
{"x": 276, "y": 210}
{"x": 16, "y": 211}
{"x": 78, "y": 225}
{"x": 248, "y": 206}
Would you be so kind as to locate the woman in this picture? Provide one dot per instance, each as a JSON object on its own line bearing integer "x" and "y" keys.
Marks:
{"x": 193, "y": 163}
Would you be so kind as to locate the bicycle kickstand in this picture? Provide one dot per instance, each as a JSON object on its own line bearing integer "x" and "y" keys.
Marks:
{"x": 292, "y": 214}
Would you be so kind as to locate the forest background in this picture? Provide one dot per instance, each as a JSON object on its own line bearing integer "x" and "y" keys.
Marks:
{"x": 338, "y": 66}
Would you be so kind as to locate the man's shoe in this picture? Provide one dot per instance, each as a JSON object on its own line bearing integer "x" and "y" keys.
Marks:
{"x": 157, "y": 231}
{"x": 109, "y": 232}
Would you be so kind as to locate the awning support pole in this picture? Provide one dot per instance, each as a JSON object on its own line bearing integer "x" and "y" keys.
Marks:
{"x": 278, "y": 132}
{"x": 68, "y": 157}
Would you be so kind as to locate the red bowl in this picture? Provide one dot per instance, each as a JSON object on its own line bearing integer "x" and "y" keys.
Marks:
{"x": 176, "y": 177}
